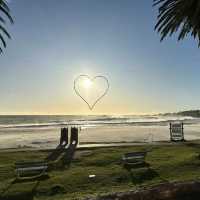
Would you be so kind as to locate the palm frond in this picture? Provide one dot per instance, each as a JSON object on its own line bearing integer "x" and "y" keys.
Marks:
{"x": 182, "y": 16}
{"x": 7, "y": 13}
{"x": 3, "y": 41}
{"x": 2, "y": 20}
{"x": 4, "y": 9}
{"x": 5, "y": 32}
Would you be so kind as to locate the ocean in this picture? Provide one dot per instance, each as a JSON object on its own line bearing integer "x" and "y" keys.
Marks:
{"x": 43, "y": 131}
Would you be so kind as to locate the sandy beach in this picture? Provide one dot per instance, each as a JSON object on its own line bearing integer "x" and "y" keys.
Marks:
{"x": 48, "y": 137}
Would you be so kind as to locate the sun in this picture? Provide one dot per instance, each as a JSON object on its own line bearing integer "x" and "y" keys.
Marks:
{"x": 87, "y": 83}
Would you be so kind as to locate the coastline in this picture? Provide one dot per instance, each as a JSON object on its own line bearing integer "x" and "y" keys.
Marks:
{"x": 107, "y": 145}
{"x": 43, "y": 132}
{"x": 92, "y": 136}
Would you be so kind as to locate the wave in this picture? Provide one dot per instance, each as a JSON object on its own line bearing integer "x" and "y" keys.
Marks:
{"x": 89, "y": 121}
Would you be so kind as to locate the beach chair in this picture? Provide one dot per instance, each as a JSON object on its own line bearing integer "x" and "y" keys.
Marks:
{"x": 70, "y": 151}
{"x": 74, "y": 136}
{"x": 177, "y": 132}
{"x": 64, "y": 137}
{"x": 134, "y": 159}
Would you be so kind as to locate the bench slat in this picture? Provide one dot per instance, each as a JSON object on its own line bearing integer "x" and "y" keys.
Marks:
{"x": 30, "y": 163}
{"x": 135, "y": 154}
{"x": 22, "y": 164}
{"x": 34, "y": 165}
{"x": 24, "y": 169}
{"x": 134, "y": 158}
{"x": 31, "y": 168}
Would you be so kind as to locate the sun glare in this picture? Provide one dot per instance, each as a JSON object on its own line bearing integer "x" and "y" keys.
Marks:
{"x": 87, "y": 83}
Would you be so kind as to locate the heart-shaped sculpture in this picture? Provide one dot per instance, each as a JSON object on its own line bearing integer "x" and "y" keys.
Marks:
{"x": 84, "y": 86}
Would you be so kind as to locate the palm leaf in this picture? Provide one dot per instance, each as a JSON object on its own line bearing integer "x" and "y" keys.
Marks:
{"x": 3, "y": 41}
{"x": 182, "y": 16}
{"x": 4, "y": 9}
{"x": 2, "y": 20}
{"x": 5, "y": 32}
{"x": 7, "y": 13}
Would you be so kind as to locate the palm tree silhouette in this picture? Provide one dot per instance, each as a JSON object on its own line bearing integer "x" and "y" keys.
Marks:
{"x": 5, "y": 12}
{"x": 182, "y": 16}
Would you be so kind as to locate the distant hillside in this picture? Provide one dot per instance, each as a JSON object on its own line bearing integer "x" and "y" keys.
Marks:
{"x": 191, "y": 113}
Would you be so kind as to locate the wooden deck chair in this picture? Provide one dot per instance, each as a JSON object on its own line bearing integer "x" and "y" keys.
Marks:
{"x": 64, "y": 137}
{"x": 70, "y": 151}
{"x": 74, "y": 136}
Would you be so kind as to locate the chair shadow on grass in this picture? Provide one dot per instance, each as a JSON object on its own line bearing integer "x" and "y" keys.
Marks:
{"x": 140, "y": 175}
{"x": 193, "y": 145}
{"x": 27, "y": 195}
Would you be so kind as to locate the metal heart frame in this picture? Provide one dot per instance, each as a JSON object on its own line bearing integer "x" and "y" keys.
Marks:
{"x": 91, "y": 79}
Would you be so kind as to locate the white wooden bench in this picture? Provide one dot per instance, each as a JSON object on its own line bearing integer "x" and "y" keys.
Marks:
{"x": 134, "y": 159}
{"x": 30, "y": 169}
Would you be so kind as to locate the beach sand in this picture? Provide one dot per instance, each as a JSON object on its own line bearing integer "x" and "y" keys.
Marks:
{"x": 92, "y": 136}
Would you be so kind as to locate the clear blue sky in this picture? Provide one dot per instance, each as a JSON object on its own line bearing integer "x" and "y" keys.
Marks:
{"x": 54, "y": 41}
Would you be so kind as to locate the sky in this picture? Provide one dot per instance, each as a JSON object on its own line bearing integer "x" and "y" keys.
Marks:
{"x": 53, "y": 42}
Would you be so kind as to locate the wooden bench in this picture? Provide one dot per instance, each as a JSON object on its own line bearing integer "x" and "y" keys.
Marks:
{"x": 134, "y": 159}
{"x": 30, "y": 169}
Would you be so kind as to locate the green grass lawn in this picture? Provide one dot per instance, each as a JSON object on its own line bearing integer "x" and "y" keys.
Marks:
{"x": 167, "y": 163}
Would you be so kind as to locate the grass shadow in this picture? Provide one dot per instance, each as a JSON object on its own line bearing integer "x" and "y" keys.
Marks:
{"x": 141, "y": 175}
{"x": 193, "y": 145}
{"x": 17, "y": 195}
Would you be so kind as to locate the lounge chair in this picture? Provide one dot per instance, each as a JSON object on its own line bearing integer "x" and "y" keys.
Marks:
{"x": 69, "y": 152}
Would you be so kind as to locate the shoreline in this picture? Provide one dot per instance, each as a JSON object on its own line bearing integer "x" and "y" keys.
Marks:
{"x": 95, "y": 136}
{"x": 104, "y": 145}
